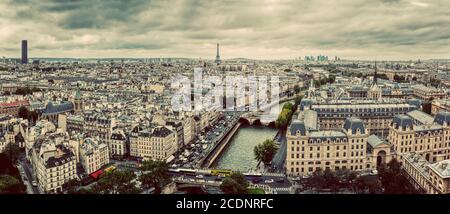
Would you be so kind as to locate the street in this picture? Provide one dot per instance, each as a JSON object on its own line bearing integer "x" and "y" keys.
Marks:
{"x": 25, "y": 172}
{"x": 280, "y": 156}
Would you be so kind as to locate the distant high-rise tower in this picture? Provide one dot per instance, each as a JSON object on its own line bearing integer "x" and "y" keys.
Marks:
{"x": 24, "y": 52}
{"x": 218, "y": 61}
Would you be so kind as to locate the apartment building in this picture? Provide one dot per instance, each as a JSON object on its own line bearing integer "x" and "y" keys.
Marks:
{"x": 156, "y": 143}
{"x": 53, "y": 163}
{"x": 93, "y": 155}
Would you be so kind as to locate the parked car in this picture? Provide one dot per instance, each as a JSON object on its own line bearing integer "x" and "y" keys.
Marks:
{"x": 269, "y": 181}
{"x": 257, "y": 180}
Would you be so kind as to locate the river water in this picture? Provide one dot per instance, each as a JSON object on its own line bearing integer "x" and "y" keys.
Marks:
{"x": 239, "y": 154}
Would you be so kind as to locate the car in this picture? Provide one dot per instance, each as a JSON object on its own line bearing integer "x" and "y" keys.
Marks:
{"x": 34, "y": 183}
{"x": 374, "y": 172}
{"x": 199, "y": 176}
{"x": 256, "y": 180}
{"x": 269, "y": 181}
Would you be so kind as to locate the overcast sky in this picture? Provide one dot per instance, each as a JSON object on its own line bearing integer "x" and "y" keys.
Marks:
{"x": 260, "y": 29}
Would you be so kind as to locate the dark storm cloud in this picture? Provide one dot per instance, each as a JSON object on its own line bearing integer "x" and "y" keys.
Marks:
{"x": 250, "y": 28}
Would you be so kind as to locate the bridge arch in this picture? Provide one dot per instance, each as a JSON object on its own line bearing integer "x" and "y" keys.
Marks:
{"x": 245, "y": 121}
{"x": 257, "y": 122}
{"x": 271, "y": 124}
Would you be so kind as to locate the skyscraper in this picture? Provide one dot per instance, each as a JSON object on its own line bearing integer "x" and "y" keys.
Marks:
{"x": 24, "y": 52}
{"x": 217, "y": 61}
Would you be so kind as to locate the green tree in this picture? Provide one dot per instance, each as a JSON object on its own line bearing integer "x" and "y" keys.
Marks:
{"x": 265, "y": 151}
{"x": 285, "y": 115}
{"x": 12, "y": 151}
{"x": 116, "y": 182}
{"x": 298, "y": 99}
{"x": 235, "y": 184}
{"x": 23, "y": 112}
{"x": 155, "y": 174}
{"x": 71, "y": 187}
{"x": 392, "y": 179}
{"x": 23, "y": 91}
{"x": 11, "y": 185}
{"x": 297, "y": 89}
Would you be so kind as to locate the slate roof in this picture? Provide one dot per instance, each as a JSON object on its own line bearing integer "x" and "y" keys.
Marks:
{"x": 442, "y": 118}
{"x": 375, "y": 141}
{"x": 58, "y": 108}
{"x": 401, "y": 121}
{"x": 354, "y": 124}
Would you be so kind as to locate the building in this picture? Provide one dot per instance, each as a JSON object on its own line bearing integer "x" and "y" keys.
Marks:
{"x": 118, "y": 144}
{"x": 12, "y": 108}
{"x": 376, "y": 115}
{"x": 78, "y": 102}
{"x": 397, "y": 92}
{"x": 24, "y": 52}
{"x": 426, "y": 177}
{"x": 98, "y": 123}
{"x": 152, "y": 143}
{"x": 379, "y": 152}
{"x": 374, "y": 92}
{"x": 53, "y": 163}
{"x": 188, "y": 129}
{"x": 93, "y": 155}
{"x": 438, "y": 105}
{"x": 74, "y": 123}
{"x": 357, "y": 92}
{"x": 52, "y": 111}
{"x": 432, "y": 141}
{"x": 177, "y": 128}
{"x": 12, "y": 130}
{"x": 310, "y": 149}
{"x": 427, "y": 93}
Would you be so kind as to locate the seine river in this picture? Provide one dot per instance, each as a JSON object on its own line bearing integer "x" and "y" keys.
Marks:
{"x": 239, "y": 154}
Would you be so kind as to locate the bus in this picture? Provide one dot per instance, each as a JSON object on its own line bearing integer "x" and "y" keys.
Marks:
{"x": 188, "y": 171}
{"x": 109, "y": 169}
{"x": 221, "y": 172}
{"x": 253, "y": 174}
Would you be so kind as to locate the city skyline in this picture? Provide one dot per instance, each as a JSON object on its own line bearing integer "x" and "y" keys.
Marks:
{"x": 382, "y": 30}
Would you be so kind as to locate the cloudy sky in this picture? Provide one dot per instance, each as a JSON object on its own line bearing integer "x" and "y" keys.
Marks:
{"x": 260, "y": 29}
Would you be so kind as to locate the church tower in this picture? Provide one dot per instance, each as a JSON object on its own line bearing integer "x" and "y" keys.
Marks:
{"x": 78, "y": 102}
{"x": 374, "y": 92}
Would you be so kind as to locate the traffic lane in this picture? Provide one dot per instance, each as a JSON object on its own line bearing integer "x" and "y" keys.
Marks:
{"x": 26, "y": 167}
{"x": 279, "y": 158}
{"x": 278, "y": 182}
{"x": 23, "y": 176}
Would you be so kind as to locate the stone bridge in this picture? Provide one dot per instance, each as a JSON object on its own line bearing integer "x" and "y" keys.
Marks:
{"x": 258, "y": 118}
